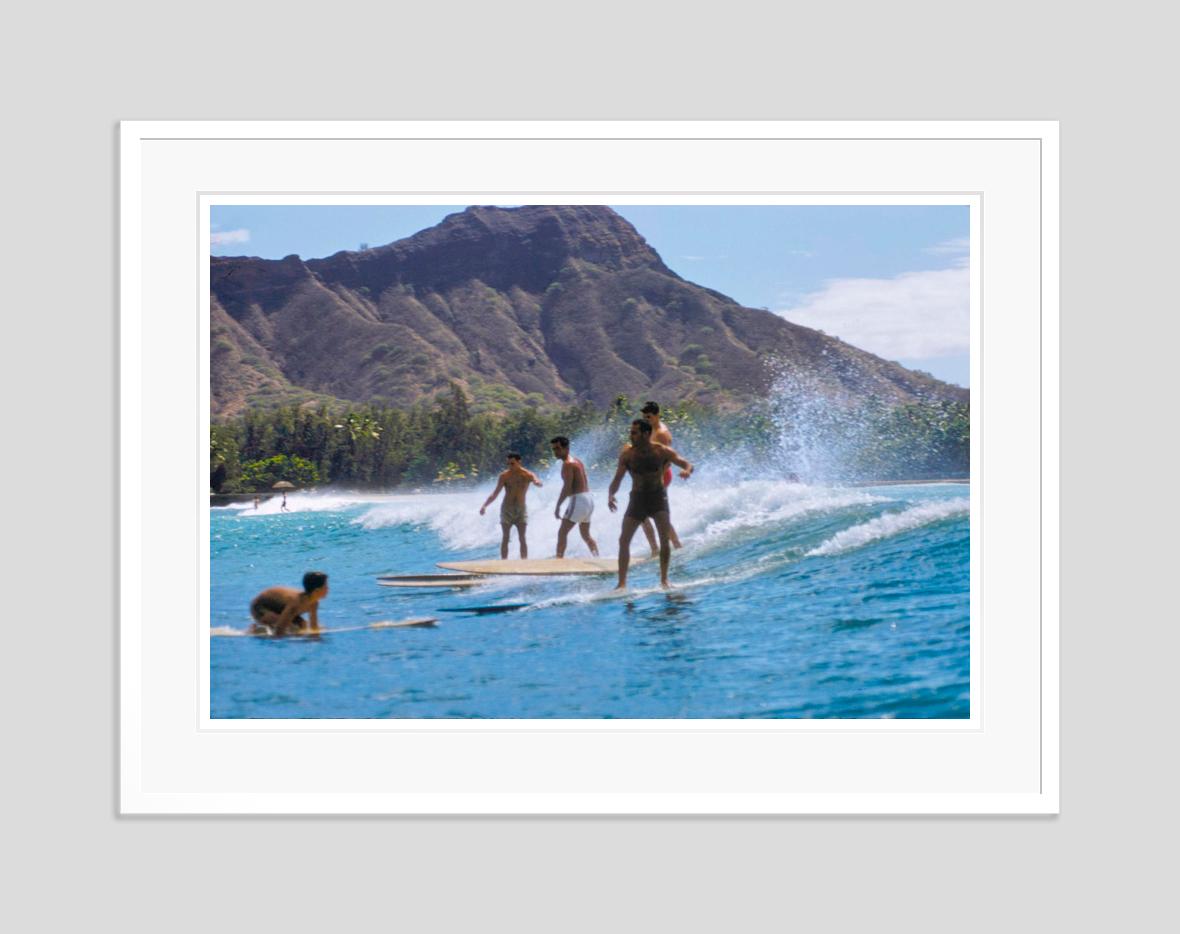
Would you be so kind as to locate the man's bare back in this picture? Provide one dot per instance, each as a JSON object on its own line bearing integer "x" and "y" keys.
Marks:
{"x": 279, "y": 610}
{"x": 516, "y": 482}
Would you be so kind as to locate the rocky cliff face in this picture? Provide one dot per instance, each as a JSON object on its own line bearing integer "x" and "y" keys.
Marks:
{"x": 547, "y": 304}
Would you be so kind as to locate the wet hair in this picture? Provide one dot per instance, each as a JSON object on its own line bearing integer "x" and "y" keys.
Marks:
{"x": 513, "y": 456}
{"x": 643, "y": 425}
{"x": 650, "y": 408}
{"x": 560, "y": 439}
{"x": 314, "y": 580}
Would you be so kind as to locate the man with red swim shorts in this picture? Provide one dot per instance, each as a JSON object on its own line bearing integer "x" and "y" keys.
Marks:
{"x": 645, "y": 461}
{"x": 660, "y": 434}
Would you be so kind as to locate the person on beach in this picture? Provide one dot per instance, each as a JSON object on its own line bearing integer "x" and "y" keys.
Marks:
{"x": 257, "y": 500}
{"x": 278, "y": 611}
{"x": 660, "y": 434}
{"x": 645, "y": 461}
{"x": 283, "y": 507}
{"x": 576, "y": 488}
{"x": 515, "y": 483}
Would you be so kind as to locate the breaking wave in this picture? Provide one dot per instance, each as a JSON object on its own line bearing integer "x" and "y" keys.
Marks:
{"x": 892, "y": 524}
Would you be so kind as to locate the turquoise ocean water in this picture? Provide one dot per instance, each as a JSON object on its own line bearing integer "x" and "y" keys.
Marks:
{"x": 789, "y": 601}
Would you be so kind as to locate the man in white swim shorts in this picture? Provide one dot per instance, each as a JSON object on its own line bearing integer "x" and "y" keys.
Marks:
{"x": 575, "y": 487}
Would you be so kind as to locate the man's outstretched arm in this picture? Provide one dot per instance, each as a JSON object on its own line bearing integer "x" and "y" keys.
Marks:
{"x": 496, "y": 492}
{"x": 679, "y": 461}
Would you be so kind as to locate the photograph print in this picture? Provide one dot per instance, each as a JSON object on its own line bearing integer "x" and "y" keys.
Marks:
{"x": 590, "y": 461}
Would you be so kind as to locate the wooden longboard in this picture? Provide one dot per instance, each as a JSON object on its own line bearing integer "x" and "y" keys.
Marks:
{"x": 312, "y": 633}
{"x": 398, "y": 623}
{"x": 446, "y": 578}
{"x": 437, "y": 584}
{"x": 539, "y": 566}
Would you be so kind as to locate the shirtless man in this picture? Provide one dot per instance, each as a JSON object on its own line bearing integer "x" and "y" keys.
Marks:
{"x": 515, "y": 483}
{"x": 660, "y": 434}
{"x": 645, "y": 461}
{"x": 277, "y": 611}
{"x": 576, "y": 488}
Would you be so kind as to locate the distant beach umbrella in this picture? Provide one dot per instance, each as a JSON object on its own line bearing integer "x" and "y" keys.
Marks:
{"x": 283, "y": 485}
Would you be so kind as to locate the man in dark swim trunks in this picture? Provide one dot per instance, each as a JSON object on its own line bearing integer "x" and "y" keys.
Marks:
{"x": 277, "y": 610}
{"x": 645, "y": 461}
{"x": 575, "y": 493}
{"x": 660, "y": 434}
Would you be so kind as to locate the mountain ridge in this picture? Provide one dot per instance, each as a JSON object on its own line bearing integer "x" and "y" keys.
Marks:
{"x": 536, "y": 304}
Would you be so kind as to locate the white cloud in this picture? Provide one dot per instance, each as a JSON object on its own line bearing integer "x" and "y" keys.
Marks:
{"x": 958, "y": 249}
{"x": 913, "y": 315}
{"x": 219, "y": 237}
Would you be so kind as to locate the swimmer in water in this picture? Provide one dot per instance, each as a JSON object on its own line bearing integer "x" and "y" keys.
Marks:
{"x": 277, "y": 611}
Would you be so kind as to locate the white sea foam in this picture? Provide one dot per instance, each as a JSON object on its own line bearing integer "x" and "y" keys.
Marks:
{"x": 892, "y": 524}
{"x": 714, "y": 516}
{"x": 307, "y": 502}
{"x": 453, "y": 516}
{"x": 598, "y": 592}
{"x": 705, "y": 514}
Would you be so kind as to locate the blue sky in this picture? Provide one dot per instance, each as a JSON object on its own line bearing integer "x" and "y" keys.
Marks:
{"x": 890, "y": 279}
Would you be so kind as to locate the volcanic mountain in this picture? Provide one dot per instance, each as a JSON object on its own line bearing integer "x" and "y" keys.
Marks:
{"x": 542, "y": 304}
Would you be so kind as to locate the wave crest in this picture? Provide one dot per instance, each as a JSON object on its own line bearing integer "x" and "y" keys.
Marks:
{"x": 892, "y": 524}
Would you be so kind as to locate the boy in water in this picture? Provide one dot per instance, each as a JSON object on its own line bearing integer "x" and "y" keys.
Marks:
{"x": 646, "y": 462}
{"x": 277, "y": 611}
{"x": 515, "y": 483}
{"x": 576, "y": 487}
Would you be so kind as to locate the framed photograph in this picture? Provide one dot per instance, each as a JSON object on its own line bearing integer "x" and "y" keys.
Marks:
{"x": 589, "y": 468}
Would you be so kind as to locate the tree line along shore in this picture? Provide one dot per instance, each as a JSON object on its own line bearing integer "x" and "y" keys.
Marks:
{"x": 443, "y": 441}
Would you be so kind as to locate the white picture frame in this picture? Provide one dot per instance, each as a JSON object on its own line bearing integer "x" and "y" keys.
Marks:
{"x": 173, "y": 759}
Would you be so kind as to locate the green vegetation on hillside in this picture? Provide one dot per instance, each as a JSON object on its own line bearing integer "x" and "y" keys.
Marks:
{"x": 445, "y": 441}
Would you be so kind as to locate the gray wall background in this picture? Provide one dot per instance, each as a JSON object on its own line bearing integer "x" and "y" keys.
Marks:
{"x": 70, "y": 75}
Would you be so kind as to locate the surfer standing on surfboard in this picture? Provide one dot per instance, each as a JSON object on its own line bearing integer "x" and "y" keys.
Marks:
{"x": 515, "y": 483}
{"x": 576, "y": 487}
{"x": 277, "y": 611}
{"x": 660, "y": 434}
{"x": 645, "y": 461}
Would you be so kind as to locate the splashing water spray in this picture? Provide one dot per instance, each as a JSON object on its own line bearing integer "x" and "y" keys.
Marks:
{"x": 820, "y": 434}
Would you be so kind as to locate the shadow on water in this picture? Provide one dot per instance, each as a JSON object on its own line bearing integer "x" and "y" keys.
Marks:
{"x": 674, "y": 606}
{"x": 667, "y": 626}
{"x": 671, "y": 608}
